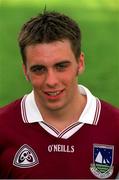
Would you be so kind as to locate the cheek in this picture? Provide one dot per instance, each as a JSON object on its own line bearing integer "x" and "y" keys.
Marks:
{"x": 70, "y": 77}
{"x": 70, "y": 83}
{"x": 36, "y": 81}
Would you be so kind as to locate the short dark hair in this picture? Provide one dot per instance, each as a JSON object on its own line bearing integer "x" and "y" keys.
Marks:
{"x": 49, "y": 27}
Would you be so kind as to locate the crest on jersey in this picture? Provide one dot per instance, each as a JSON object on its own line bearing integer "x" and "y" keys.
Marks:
{"x": 102, "y": 166}
{"x": 25, "y": 157}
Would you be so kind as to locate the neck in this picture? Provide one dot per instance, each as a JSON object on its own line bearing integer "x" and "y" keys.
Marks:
{"x": 62, "y": 118}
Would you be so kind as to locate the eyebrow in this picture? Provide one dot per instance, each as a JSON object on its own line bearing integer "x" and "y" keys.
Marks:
{"x": 36, "y": 66}
{"x": 63, "y": 62}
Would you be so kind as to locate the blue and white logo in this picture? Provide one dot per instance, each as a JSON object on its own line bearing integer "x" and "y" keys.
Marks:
{"x": 102, "y": 166}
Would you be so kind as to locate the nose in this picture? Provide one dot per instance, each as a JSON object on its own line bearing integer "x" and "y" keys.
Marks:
{"x": 51, "y": 78}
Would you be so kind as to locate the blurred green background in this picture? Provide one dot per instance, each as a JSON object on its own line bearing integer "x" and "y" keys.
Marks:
{"x": 99, "y": 21}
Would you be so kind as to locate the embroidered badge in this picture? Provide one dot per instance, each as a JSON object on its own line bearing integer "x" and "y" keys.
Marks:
{"x": 25, "y": 157}
{"x": 102, "y": 160}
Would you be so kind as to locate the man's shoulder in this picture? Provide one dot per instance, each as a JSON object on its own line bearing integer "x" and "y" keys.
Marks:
{"x": 109, "y": 111}
{"x": 109, "y": 107}
{"x": 11, "y": 108}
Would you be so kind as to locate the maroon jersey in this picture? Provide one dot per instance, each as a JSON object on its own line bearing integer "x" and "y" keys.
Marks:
{"x": 30, "y": 148}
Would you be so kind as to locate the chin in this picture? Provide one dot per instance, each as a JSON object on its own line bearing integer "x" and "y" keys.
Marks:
{"x": 55, "y": 107}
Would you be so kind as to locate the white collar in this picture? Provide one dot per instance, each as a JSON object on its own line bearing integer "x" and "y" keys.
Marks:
{"x": 90, "y": 114}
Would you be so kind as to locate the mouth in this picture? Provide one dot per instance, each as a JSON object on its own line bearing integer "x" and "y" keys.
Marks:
{"x": 53, "y": 94}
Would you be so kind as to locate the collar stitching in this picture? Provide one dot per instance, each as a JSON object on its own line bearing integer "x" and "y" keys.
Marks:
{"x": 97, "y": 112}
{"x": 23, "y": 109}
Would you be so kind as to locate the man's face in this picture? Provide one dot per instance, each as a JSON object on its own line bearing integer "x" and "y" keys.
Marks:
{"x": 52, "y": 69}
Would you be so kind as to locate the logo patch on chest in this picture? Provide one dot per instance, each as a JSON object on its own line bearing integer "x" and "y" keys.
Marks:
{"x": 25, "y": 157}
{"x": 102, "y": 161}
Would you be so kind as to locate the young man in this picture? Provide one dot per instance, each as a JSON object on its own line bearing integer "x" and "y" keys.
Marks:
{"x": 59, "y": 130}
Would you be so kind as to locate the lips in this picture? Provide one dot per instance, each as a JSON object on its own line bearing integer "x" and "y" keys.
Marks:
{"x": 53, "y": 93}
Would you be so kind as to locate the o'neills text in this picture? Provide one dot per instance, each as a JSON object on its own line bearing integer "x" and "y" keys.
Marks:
{"x": 61, "y": 148}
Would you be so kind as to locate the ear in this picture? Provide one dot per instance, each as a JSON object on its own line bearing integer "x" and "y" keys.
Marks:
{"x": 81, "y": 64}
{"x": 25, "y": 72}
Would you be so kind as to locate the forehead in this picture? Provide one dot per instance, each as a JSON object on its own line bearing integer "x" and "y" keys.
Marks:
{"x": 46, "y": 52}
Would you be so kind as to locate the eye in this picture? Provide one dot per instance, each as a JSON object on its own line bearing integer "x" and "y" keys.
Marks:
{"x": 38, "y": 69}
{"x": 62, "y": 66}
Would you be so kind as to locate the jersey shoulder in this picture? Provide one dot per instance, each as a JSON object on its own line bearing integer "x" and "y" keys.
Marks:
{"x": 109, "y": 109}
{"x": 109, "y": 114}
{"x": 10, "y": 111}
